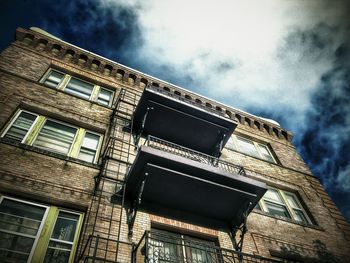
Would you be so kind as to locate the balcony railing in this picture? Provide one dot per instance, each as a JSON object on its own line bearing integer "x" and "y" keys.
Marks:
{"x": 183, "y": 99}
{"x": 158, "y": 247}
{"x": 179, "y": 150}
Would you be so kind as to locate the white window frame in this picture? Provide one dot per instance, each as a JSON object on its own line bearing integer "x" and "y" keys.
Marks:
{"x": 234, "y": 140}
{"x": 66, "y": 79}
{"x": 2, "y": 197}
{"x": 285, "y": 203}
{"x": 14, "y": 118}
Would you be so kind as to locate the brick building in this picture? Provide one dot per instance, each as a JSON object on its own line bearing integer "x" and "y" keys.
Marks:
{"x": 102, "y": 163}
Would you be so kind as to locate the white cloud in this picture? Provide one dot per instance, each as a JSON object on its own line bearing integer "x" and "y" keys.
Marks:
{"x": 343, "y": 179}
{"x": 249, "y": 37}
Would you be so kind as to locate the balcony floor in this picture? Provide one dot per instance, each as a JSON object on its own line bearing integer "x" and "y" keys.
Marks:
{"x": 191, "y": 191}
{"x": 182, "y": 123}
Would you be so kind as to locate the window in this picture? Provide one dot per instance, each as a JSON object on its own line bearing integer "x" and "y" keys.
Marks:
{"x": 31, "y": 232}
{"x": 251, "y": 148}
{"x": 77, "y": 87}
{"x": 284, "y": 204}
{"x": 53, "y": 135}
{"x": 165, "y": 247}
{"x": 80, "y": 88}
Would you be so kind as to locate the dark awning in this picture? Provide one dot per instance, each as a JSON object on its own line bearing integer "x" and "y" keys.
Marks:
{"x": 180, "y": 122}
{"x": 187, "y": 190}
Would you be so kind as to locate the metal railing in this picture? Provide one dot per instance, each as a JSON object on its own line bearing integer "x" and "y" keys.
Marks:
{"x": 184, "y": 99}
{"x": 100, "y": 249}
{"x": 179, "y": 150}
{"x": 160, "y": 247}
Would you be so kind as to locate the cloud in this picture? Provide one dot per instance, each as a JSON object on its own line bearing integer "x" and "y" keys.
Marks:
{"x": 242, "y": 53}
{"x": 343, "y": 179}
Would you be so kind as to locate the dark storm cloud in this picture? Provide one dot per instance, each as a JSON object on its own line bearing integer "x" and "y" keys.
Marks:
{"x": 112, "y": 32}
{"x": 325, "y": 142}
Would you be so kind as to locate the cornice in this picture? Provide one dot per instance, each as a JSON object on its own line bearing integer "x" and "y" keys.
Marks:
{"x": 114, "y": 71}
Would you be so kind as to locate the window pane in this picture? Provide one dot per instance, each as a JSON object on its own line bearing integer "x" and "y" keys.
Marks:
{"x": 14, "y": 248}
{"x": 300, "y": 216}
{"x": 87, "y": 155}
{"x": 21, "y": 126}
{"x": 201, "y": 251}
{"x": 277, "y": 210}
{"x": 56, "y": 136}
{"x": 65, "y": 226}
{"x": 91, "y": 141}
{"x": 273, "y": 195}
{"x": 79, "y": 88}
{"x": 265, "y": 154}
{"x": 57, "y": 252}
{"x": 20, "y": 217}
{"x": 89, "y": 147}
{"x": 16, "y": 220}
{"x": 292, "y": 201}
{"x": 53, "y": 79}
{"x": 246, "y": 146}
{"x": 64, "y": 230}
{"x": 105, "y": 97}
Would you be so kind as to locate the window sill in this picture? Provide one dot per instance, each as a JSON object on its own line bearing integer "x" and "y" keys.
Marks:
{"x": 289, "y": 220}
{"x": 30, "y": 148}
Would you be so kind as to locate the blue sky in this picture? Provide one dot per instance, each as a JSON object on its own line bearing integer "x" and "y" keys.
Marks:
{"x": 285, "y": 60}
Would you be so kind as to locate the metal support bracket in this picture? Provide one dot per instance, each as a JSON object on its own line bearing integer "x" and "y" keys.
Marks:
{"x": 140, "y": 131}
{"x": 219, "y": 148}
{"x": 134, "y": 206}
{"x": 242, "y": 229}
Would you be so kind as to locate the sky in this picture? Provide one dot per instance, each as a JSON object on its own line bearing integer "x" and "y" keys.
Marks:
{"x": 288, "y": 60}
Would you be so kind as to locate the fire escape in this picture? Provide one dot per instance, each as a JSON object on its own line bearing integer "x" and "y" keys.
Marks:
{"x": 162, "y": 157}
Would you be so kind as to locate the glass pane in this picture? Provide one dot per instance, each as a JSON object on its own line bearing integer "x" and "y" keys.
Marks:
{"x": 57, "y": 252}
{"x": 16, "y": 220}
{"x": 21, "y": 126}
{"x": 90, "y": 141}
{"x": 56, "y": 136}
{"x": 65, "y": 226}
{"x": 20, "y": 217}
{"x": 105, "y": 97}
{"x": 292, "y": 201}
{"x": 53, "y": 79}
{"x": 300, "y": 216}
{"x": 277, "y": 210}
{"x": 272, "y": 194}
{"x": 200, "y": 252}
{"x": 162, "y": 252}
{"x": 164, "y": 247}
{"x": 79, "y": 88}
{"x": 247, "y": 146}
{"x": 265, "y": 154}
{"x": 89, "y": 147}
{"x": 87, "y": 155}
{"x": 14, "y": 248}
